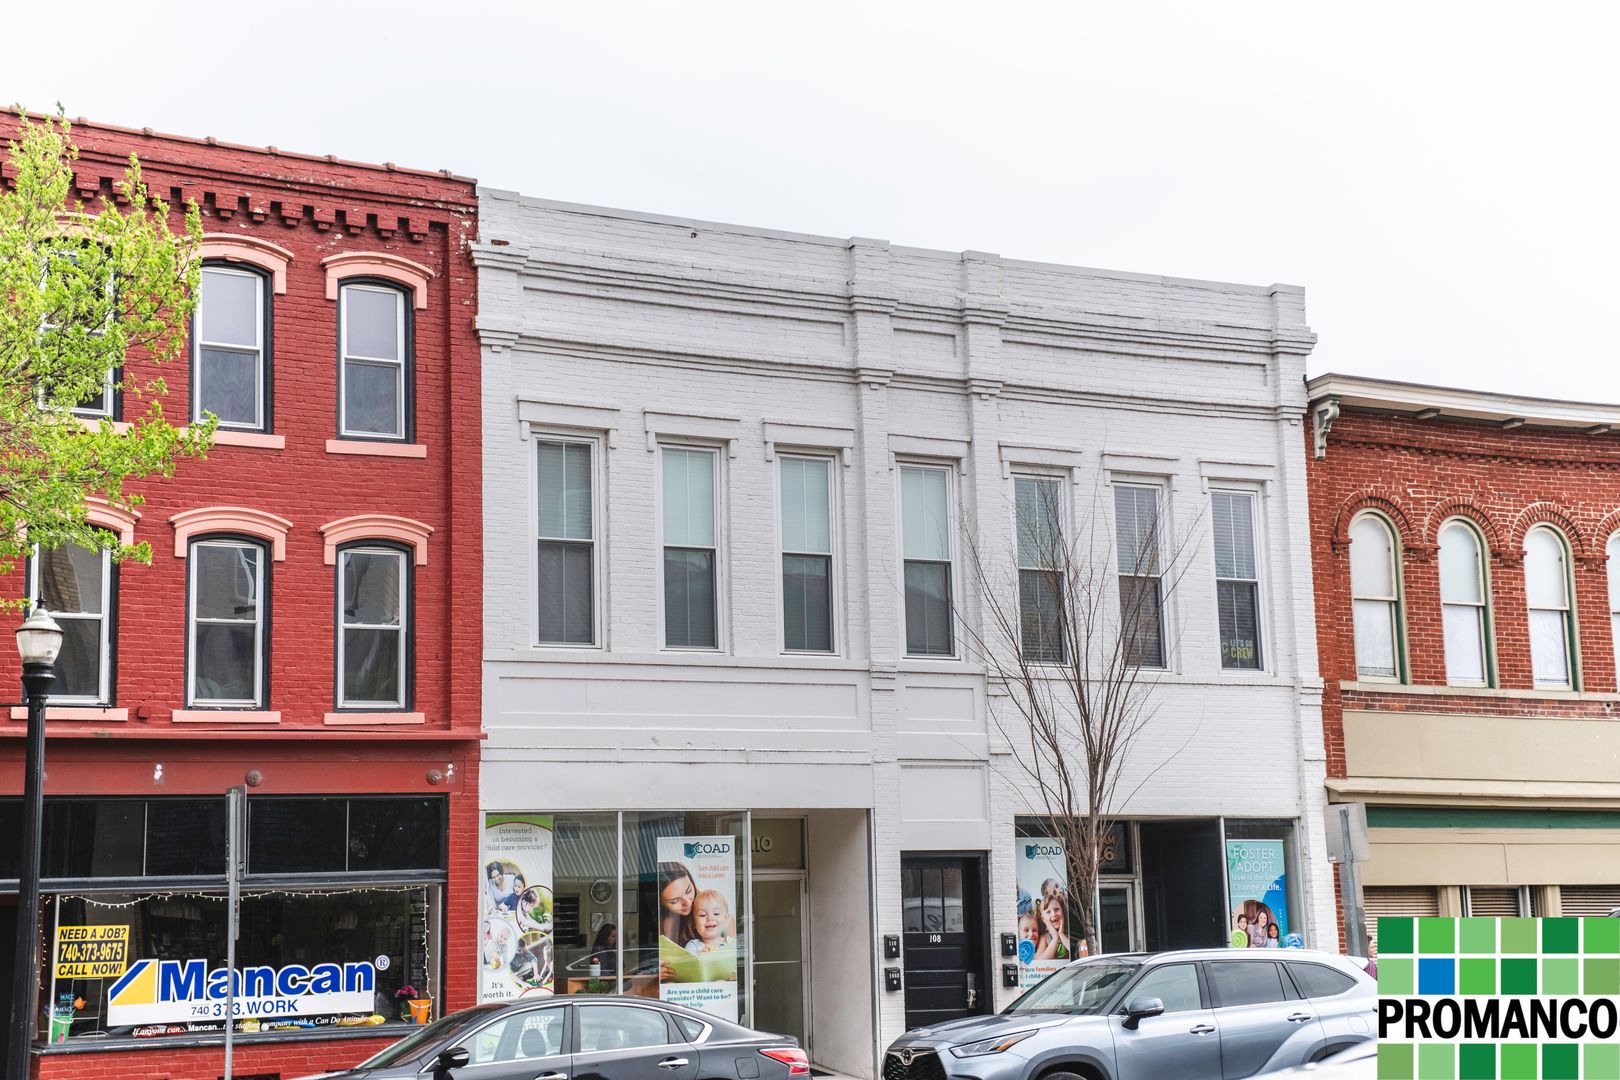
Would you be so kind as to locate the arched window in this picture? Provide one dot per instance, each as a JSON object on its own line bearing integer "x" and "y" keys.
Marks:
{"x": 1546, "y": 592}
{"x": 1375, "y": 597}
{"x": 1464, "y": 605}
{"x": 1614, "y": 593}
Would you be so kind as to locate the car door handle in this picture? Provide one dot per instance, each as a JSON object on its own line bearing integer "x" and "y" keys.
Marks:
{"x": 672, "y": 1063}
{"x": 1201, "y": 1029}
{"x": 1300, "y": 1018}
{"x": 552, "y": 1076}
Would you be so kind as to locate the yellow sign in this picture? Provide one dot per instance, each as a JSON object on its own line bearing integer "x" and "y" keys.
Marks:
{"x": 91, "y": 952}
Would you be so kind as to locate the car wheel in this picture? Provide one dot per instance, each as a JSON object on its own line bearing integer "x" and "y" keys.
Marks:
{"x": 1064, "y": 1074}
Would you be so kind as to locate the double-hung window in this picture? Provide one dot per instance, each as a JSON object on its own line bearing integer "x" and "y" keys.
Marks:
{"x": 1375, "y": 597}
{"x": 230, "y": 355}
{"x": 1042, "y": 563}
{"x": 691, "y": 548}
{"x": 567, "y": 554}
{"x": 1462, "y": 604}
{"x": 1237, "y": 578}
{"x": 227, "y": 628}
{"x": 1141, "y": 598}
{"x": 1614, "y": 595}
{"x": 1546, "y": 588}
{"x": 75, "y": 585}
{"x": 925, "y": 510}
{"x": 76, "y": 309}
{"x": 807, "y": 554}
{"x": 374, "y": 362}
{"x": 373, "y": 660}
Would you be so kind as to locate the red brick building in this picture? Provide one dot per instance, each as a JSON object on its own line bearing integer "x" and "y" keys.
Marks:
{"x": 1468, "y": 598}
{"x": 309, "y": 625}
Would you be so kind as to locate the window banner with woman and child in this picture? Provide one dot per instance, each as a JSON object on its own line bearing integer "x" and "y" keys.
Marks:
{"x": 515, "y": 908}
{"x": 1257, "y": 876}
{"x": 697, "y": 939}
{"x": 1044, "y": 944}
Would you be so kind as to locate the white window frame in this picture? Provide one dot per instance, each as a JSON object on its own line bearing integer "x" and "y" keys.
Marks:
{"x": 406, "y": 674}
{"x": 1161, "y": 486}
{"x": 402, "y": 297}
{"x": 260, "y": 690}
{"x": 198, "y": 344}
{"x": 1063, "y": 480}
{"x": 103, "y": 694}
{"x": 1262, "y": 567}
{"x": 1572, "y": 664}
{"x": 1482, "y": 609}
{"x": 1397, "y": 602}
{"x": 722, "y": 622}
{"x": 599, "y": 582}
{"x": 950, "y": 468}
{"x": 834, "y": 554}
{"x": 1612, "y": 549}
{"x": 45, "y": 325}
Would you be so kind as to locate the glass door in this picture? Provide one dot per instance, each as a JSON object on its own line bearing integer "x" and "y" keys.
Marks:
{"x": 1116, "y": 917}
{"x": 780, "y": 970}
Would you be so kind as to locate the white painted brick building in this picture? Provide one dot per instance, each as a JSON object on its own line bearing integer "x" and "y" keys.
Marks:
{"x": 625, "y": 334}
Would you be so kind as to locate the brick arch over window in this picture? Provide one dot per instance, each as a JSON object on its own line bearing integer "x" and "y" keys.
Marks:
{"x": 271, "y": 258}
{"x": 115, "y": 519}
{"x": 1383, "y": 501}
{"x": 404, "y": 530}
{"x": 1550, "y": 513}
{"x": 230, "y": 519}
{"x": 377, "y": 264}
{"x": 1463, "y": 507}
{"x": 1607, "y": 528}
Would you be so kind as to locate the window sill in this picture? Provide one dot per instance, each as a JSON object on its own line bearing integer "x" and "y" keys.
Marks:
{"x": 1371, "y": 687}
{"x": 249, "y": 438}
{"x": 358, "y": 718}
{"x": 94, "y": 424}
{"x": 366, "y": 448}
{"x": 225, "y": 716}
{"x": 389, "y": 1030}
{"x": 100, "y": 713}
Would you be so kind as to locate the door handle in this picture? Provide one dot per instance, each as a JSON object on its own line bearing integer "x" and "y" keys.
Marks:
{"x": 1201, "y": 1029}
{"x": 972, "y": 990}
{"x": 552, "y": 1076}
{"x": 668, "y": 1063}
{"x": 1300, "y": 1018}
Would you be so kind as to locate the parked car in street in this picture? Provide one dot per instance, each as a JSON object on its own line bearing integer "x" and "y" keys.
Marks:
{"x": 609, "y": 1038}
{"x": 1191, "y": 1015}
{"x": 1360, "y": 1062}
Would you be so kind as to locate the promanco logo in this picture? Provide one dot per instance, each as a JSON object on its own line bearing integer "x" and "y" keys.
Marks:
{"x": 693, "y": 850}
{"x": 1507, "y": 999}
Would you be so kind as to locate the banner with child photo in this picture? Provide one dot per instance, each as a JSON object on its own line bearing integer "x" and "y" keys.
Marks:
{"x": 697, "y": 923}
{"x": 1044, "y": 942}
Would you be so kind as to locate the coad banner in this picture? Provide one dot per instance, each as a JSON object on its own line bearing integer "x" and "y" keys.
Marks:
{"x": 518, "y": 958}
{"x": 1257, "y": 875}
{"x": 697, "y": 923}
{"x": 1044, "y": 944}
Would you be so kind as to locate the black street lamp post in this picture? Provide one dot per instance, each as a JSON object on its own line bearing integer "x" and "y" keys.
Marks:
{"x": 39, "y": 639}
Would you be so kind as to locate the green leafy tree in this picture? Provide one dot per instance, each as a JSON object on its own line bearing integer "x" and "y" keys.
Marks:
{"x": 93, "y": 301}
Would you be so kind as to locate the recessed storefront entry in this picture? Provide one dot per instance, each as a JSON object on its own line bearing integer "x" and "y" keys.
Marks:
{"x": 944, "y": 941}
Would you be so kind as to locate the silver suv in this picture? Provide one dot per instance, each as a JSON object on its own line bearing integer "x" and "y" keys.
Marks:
{"x": 1192, "y": 1015}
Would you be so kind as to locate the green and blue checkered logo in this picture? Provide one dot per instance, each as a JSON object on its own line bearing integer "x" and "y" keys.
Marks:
{"x": 1499, "y": 999}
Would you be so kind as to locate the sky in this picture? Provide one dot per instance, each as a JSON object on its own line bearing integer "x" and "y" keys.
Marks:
{"x": 1439, "y": 176}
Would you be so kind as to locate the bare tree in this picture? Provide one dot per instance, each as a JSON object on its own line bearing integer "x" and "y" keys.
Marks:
{"x": 1074, "y": 630}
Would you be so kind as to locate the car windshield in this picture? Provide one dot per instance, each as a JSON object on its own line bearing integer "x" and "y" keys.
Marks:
{"x": 1080, "y": 988}
{"x": 408, "y": 1048}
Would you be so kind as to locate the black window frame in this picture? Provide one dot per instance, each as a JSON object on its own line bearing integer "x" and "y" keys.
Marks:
{"x": 407, "y": 674}
{"x": 407, "y": 296}
{"x": 265, "y": 591}
{"x": 266, "y": 344}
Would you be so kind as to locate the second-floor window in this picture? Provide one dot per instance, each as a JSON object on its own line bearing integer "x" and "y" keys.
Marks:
{"x": 75, "y": 585}
{"x": 691, "y": 548}
{"x": 1614, "y": 595}
{"x": 1140, "y": 552}
{"x": 925, "y": 540}
{"x": 1042, "y": 562}
{"x": 1237, "y": 579}
{"x": 373, "y": 660}
{"x": 1546, "y": 591}
{"x": 567, "y": 554}
{"x": 227, "y": 642}
{"x": 1375, "y": 598}
{"x": 807, "y": 554}
{"x": 1463, "y": 605}
{"x": 230, "y": 350}
{"x": 374, "y": 347}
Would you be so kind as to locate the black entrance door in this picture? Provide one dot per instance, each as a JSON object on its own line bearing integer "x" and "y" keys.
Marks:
{"x": 945, "y": 946}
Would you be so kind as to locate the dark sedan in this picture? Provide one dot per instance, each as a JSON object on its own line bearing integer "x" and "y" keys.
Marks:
{"x": 584, "y": 1038}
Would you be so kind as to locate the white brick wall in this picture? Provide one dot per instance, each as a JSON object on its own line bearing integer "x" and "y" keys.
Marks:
{"x": 633, "y": 313}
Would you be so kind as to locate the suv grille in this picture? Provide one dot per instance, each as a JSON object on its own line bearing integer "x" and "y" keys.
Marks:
{"x": 925, "y": 1065}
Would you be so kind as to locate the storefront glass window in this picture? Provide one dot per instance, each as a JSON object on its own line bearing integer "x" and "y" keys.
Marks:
{"x": 586, "y": 862}
{"x": 1262, "y": 876}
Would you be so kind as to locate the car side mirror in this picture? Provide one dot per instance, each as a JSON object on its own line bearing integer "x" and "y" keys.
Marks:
{"x": 1141, "y": 1009}
{"x": 454, "y": 1058}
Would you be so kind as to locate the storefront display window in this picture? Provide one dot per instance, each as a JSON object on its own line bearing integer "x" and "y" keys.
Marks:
{"x": 1262, "y": 881}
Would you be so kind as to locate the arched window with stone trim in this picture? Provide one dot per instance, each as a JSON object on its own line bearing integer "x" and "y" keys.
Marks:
{"x": 1376, "y": 601}
{"x": 1614, "y": 594}
{"x": 1547, "y": 590}
{"x": 1464, "y": 605}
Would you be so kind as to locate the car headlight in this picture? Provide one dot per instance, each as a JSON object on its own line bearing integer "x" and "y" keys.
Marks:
{"x": 991, "y": 1046}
